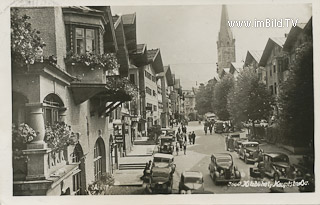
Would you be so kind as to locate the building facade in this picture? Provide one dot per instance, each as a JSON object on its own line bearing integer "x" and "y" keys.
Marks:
{"x": 61, "y": 92}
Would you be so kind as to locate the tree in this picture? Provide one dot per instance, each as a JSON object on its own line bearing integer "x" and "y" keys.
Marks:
{"x": 220, "y": 97}
{"x": 250, "y": 99}
{"x": 26, "y": 42}
{"x": 296, "y": 103}
{"x": 203, "y": 99}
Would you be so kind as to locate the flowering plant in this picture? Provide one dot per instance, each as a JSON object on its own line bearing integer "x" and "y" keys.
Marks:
{"x": 26, "y": 43}
{"x": 100, "y": 186}
{"x": 58, "y": 135}
{"x": 106, "y": 60}
{"x": 21, "y": 135}
{"x": 122, "y": 84}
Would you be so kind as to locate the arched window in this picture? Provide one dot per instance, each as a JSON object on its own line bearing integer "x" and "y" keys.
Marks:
{"x": 78, "y": 179}
{"x": 99, "y": 158}
{"x": 53, "y": 105}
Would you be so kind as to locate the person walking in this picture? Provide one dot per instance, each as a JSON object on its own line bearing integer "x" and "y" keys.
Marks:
{"x": 210, "y": 128}
{"x": 193, "y": 137}
{"x": 190, "y": 137}
{"x": 177, "y": 148}
{"x": 185, "y": 136}
{"x": 205, "y": 129}
{"x": 185, "y": 147}
{"x": 179, "y": 129}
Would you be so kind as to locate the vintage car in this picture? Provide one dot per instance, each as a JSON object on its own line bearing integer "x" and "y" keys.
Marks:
{"x": 218, "y": 127}
{"x": 238, "y": 142}
{"x": 222, "y": 168}
{"x": 250, "y": 152}
{"x": 191, "y": 182}
{"x": 162, "y": 170}
{"x": 167, "y": 131}
{"x": 166, "y": 145}
{"x": 230, "y": 141}
{"x": 275, "y": 165}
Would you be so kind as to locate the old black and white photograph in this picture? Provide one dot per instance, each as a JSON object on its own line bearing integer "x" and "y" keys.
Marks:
{"x": 144, "y": 101}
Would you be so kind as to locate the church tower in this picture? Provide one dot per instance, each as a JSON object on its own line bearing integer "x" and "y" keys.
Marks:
{"x": 225, "y": 43}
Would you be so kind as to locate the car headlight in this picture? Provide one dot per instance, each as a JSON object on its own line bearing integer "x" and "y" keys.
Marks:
{"x": 161, "y": 147}
{"x": 283, "y": 170}
{"x": 251, "y": 153}
{"x": 221, "y": 171}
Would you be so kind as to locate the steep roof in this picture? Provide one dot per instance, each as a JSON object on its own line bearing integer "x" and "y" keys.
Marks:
{"x": 271, "y": 43}
{"x": 225, "y": 30}
{"x": 167, "y": 71}
{"x": 154, "y": 58}
{"x": 129, "y": 18}
{"x": 293, "y": 35}
{"x": 237, "y": 66}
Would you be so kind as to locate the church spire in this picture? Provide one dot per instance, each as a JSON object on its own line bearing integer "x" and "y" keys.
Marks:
{"x": 225, "y": 43}
{"x": 225, "y": 33}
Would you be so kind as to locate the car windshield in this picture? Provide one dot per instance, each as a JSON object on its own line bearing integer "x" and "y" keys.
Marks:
{"x": 166, "y": 140}
{"x": 251, "y": 145}
{"x": 281, "y": 159}
{"x": 223, "y": 160}
{"x": 193, "y": 180}
{"x": 159, "y": 159}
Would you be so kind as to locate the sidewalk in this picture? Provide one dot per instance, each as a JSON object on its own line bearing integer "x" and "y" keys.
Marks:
{"x": 131, "y": 166}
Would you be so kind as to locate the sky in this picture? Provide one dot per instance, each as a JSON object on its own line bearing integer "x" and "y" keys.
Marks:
{"x": 187, "y": 35}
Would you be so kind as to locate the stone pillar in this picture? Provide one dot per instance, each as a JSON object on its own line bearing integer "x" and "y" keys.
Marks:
{"x": 36, "y": 121}
{"x": 37, "y": 151}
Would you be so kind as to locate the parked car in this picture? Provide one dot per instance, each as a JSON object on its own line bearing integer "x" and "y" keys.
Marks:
{"x": 230, "y": 141}
{"x": 191, "y": 182}
{"x": 277, "y": 166}
{"x": 238, "y": 142}
{"x": 162, "y": 170}
{"x": 166, "y": 145}
{"x": 250, "y": 152}
{"x": 222, "y": 168}
{"x": 218, "y": 127}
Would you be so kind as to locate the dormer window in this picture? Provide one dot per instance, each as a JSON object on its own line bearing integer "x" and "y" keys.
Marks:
{"x": 85, "y": 41}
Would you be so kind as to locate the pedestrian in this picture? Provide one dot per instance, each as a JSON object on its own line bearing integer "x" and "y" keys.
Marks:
{"x": 190, "y": 137}
{"x": 177, "y": 148}
{"x": 193, "y": 137}
{"x": 185, "y": 137}
{"x": 179, "y": 129}
{"x": 180, "y": 143}
{"x": 185, "y": 148}
{"x": 178, "y": 136}
{"x": 205, "y": 129}
{"x": 210, "y": 128}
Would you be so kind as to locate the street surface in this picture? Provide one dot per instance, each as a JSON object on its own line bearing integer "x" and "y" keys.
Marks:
{"x": 198, "y": 159}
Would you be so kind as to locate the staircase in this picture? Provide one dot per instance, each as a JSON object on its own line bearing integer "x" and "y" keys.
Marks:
{"x": 132, "y": 166}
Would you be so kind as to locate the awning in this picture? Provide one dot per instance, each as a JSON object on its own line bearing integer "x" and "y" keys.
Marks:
{"x": 84, "y": 91}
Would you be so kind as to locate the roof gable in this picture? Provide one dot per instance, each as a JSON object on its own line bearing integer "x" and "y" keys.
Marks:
{"x": 271, "y": 43}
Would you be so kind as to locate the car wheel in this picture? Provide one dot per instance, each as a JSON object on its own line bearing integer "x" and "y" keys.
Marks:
{"x": 276, "y": 177}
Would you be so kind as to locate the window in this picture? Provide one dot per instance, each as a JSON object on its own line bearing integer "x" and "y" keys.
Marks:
{"x": 274, "y": 68}
{"x": 155, "y": 108}
{"x": 275, "y": 88}
{"x": 85, "y": 41}
{"x": 52, "y": 106}
{"x": 97, "y": 161}
{"x": 77, "y": 157}
{"x": 148, "y": 90}
{"x": 132, "y": 79}
{"x": 270, "y": 71}
{"x": 154, "y": 92}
